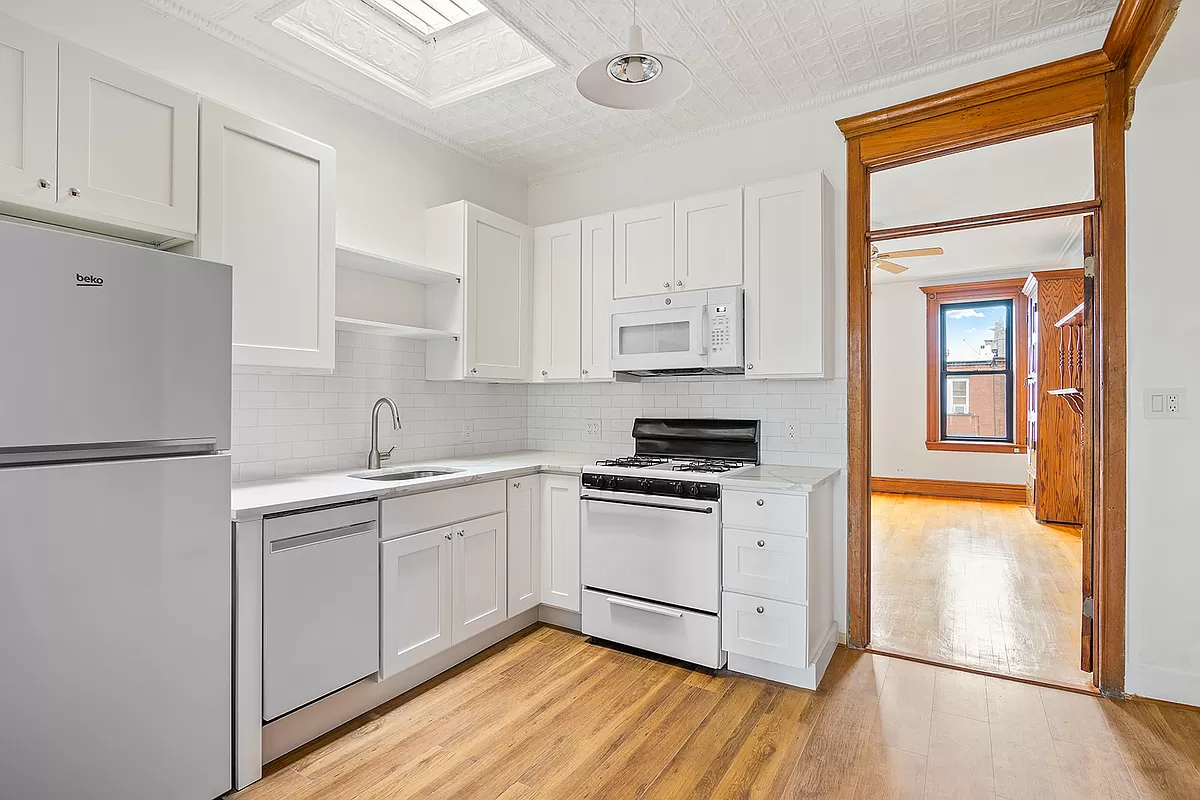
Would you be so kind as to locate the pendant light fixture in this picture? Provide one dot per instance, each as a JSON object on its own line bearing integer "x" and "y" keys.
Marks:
{"x": 634, "y": 79}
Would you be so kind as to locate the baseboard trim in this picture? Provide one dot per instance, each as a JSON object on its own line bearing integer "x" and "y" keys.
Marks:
{"x": 560, "y": 617}
{"x": 970, "y": 490}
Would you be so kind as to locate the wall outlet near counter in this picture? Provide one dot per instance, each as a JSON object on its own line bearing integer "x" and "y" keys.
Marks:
{"x": 790, "y": 430}
{"x": 592, "y": 429}
{"x": 468, "y": 430}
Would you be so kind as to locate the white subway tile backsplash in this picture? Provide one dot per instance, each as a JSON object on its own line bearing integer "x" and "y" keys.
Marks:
{"x": 296, "y": 424}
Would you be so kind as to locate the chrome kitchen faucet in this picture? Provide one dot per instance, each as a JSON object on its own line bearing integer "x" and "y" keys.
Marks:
{"x": 375, "y": 458}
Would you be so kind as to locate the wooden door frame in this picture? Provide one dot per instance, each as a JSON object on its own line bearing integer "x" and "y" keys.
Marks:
{"x": 1093, "y": 88}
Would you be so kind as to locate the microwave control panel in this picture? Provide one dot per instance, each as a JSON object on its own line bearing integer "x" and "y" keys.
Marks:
{"x": 720, "y": 327}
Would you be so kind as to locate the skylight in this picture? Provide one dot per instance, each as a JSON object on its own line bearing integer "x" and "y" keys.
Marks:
{"x": 427, "y": 17}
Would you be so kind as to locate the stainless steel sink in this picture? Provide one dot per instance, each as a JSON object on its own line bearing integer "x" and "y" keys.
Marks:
{"x": 406, "y": 474}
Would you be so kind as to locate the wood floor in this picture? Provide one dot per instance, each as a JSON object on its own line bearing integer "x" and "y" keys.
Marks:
{"x": 976, "y": 583}
{"x": 547, "y": 715}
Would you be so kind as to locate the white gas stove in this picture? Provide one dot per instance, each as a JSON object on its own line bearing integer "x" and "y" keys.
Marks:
{"x": 651, "y": 536}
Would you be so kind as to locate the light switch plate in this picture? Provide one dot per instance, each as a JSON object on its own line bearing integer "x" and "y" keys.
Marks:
{"x": 1170, "y": 403}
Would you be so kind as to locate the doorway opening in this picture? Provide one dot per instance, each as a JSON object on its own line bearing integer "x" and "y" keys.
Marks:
{"x": 979, "y": 407}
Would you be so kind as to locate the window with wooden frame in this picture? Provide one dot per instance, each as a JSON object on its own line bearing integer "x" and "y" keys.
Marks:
{"x": 976, "y": 357}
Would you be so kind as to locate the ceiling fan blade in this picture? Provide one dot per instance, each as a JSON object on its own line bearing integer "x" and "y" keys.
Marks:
{"x": 924, "y": 251}
{"x": 888, "y": 266}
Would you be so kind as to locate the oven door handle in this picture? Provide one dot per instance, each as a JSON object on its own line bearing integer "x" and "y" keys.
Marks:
{"x": 707, "y": 510}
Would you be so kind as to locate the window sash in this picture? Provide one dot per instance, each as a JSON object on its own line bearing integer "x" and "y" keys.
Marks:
{"x": 945, "y": 406}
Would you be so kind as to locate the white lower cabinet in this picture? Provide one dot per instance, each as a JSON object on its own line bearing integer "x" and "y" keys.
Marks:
{"x": 479, "y": 576}
{"x": 415, "y": 599}
{"x": 439, "y": 587}
{"x": 560, "y": 542}
{"x": 524, "y": 544}
{"x": 777, "y": 618}
{"x": 765, "y": 629}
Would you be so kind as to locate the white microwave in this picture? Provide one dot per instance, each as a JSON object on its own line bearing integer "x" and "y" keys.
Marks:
{"x": 685, "y": 333}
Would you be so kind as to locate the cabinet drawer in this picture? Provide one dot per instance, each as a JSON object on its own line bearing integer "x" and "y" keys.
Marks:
{"x": 686, "y": 635}
{"x": 778, "y": 512}
{"x": 401, "y": 516}
{"x": 770, "y": 630}
{"x": 767, "y": 564}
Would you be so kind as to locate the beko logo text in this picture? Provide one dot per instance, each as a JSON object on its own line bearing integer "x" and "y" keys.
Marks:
{"x": 88, "y": 280}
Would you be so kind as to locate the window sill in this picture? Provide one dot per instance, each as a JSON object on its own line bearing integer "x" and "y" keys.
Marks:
{"x": 978, "y": 447}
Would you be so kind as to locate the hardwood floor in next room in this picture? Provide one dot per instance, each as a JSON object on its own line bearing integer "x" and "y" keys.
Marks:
{"x": 976, "y": 583}
{"x": 548, "y": 714}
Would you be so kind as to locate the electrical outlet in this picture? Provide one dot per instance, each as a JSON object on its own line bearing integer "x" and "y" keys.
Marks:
{"x": 468, "y": 430}
{"x": 593, "y": 430}
{"x": 791, "y": 430}
{"x": 900, "y": 470}
{"x": 1166, "y": 404}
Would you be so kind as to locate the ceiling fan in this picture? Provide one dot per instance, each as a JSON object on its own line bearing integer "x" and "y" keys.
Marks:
{"x": 880, "y": 260}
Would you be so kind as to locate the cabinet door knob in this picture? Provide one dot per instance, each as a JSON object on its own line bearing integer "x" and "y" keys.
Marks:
{"x": 761, "y": 543}
{"x": 679, "y": 283}
{"x": 74, "y": 192}
{"x": 760, "y": 502}
{"x": 473, "y": 370}
{"x": 749, "y": 366}
{"x": 759, "y": 609}
{"x": 544, "y": 373}
{"x": 585, "y": 372}
{"x": 43, "y": 183}
{"x": 460, "y": 533}
{"x": 448, "y": 537}
{"x": 666, "y": 284}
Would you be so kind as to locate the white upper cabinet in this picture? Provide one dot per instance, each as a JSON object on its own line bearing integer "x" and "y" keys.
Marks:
{"x": 492, "y": 308}
{"x": 126, "y": 143}
{"x": 28, "y": 114}
{"x": 789, "y": 278}
{"x": 644, "y": 250}
{"x": 267, "y": 209}
{"x": 91, "y": 144}
{"x": 556, "y": 302}
{"x": 597, "y": 295}
{"x": 708, "y": 241}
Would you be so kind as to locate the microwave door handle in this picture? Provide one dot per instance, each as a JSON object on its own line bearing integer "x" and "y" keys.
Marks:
{"x": 704, "y": 334}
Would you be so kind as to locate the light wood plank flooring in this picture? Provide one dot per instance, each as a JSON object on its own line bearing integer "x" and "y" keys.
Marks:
{"x": 976, "y": 583}
{"x": 548, "y": 714}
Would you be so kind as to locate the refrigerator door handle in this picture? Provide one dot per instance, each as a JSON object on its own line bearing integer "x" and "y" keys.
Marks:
{"x": 105, "y": 451}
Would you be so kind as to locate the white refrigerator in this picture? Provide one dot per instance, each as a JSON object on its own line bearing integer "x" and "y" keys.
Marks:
{"x": 116, "y": 580}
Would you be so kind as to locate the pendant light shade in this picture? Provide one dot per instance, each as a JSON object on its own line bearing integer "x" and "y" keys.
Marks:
{"x": 635, "y": 78}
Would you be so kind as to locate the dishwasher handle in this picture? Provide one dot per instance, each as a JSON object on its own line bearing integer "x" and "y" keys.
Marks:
{"x": 322, "y": 537}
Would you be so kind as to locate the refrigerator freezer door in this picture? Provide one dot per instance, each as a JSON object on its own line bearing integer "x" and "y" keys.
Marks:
{"x": 116, "y": 590}
{"x": 107, "y": 342}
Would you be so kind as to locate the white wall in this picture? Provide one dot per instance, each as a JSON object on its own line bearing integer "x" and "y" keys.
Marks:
{"x": 1163, "y": 617}
{"x": 898, "y": 398}
{"x": 386, "y": 176}
{"x": 778, "y": 147}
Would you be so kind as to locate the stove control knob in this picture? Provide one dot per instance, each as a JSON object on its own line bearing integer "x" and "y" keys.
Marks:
{"x": 608, "y": 482}
{"x": 694, "y": 490}
{"x": 644, "y": 483}
{"x": 679, "y": 488}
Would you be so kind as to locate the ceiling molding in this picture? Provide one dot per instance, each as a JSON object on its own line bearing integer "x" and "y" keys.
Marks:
{"x": 173, "y": 9}
{"x": 1080, "y": 27}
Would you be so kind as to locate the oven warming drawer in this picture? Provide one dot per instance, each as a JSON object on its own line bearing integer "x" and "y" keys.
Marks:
{"x": 675, "y": 632}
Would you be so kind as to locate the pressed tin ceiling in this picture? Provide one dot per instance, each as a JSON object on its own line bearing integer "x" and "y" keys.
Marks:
{"x": 750, "y": 58}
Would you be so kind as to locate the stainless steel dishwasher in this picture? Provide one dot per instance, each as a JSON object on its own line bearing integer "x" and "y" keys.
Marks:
{"x": 320, "y": 603}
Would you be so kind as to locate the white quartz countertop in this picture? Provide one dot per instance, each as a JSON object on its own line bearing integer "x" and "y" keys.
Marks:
{"x": 778, "y": 478}
{"x": 251, "y": 500}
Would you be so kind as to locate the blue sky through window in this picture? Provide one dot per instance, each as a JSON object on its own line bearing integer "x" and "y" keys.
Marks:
{"x": 971, "y": 330}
